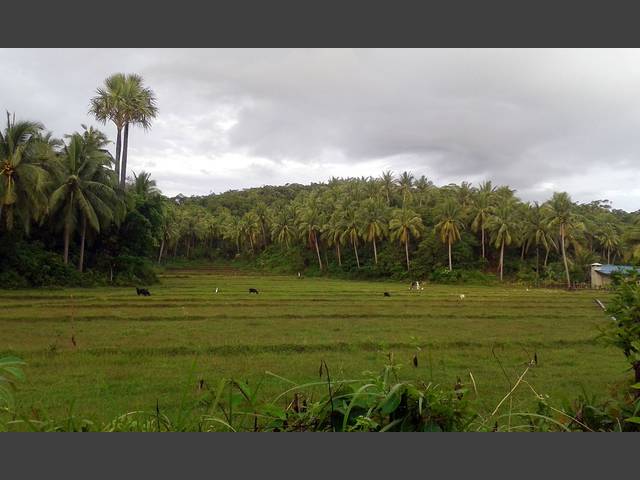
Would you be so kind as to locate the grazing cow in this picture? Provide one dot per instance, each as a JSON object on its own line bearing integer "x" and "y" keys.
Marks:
{"x": 387, "y": 294}
{"x": 253, "y": 290}
{"x": 142, "y": 291}
{"x": 416, "y": 286}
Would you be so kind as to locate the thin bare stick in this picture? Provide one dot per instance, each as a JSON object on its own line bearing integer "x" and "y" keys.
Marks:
{"x": 510, "y": 391}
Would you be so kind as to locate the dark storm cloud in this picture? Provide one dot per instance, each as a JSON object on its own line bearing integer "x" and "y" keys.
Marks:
{"x": 539, "y": 120}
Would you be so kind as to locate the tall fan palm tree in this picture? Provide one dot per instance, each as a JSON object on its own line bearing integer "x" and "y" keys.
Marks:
{"x": 85, "y": 194}
{"x": 562, "y": 217}
{"x": 373, "y": 218}
{"x": 449, "y": 225}
{"x": 125, "y": 101}
{"x": 404, "y": 225}
{"x": 503, "y": 224}
{"x": 109, "y": 105}
{"x": 22, "y": 173}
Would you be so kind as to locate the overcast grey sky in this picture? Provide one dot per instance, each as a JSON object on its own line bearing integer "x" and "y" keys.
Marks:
{"x": 538, "y": 120}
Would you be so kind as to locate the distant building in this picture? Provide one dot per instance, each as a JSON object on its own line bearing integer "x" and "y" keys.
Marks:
{"x": 601, "y": 274}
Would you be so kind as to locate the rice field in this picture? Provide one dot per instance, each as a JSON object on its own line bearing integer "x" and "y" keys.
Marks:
{"x": 102, "y": 352}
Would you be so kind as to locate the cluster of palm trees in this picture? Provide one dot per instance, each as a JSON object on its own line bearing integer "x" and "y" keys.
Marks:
{"x": 359, "y": 213}
{"x": 71, "y": 185}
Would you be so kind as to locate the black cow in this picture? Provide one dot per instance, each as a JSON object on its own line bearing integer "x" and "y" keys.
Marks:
{"x": 253, "y": 290}
{"x": 142, "y": 291}
{"x": 387, "y": 294}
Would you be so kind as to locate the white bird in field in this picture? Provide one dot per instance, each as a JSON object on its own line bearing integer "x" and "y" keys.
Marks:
{"x": 216, "y": 289}
{"x": 462, "y": 296}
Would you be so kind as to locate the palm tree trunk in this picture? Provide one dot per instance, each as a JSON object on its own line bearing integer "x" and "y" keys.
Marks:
{"x": 188, "y": 246}
{"x": 406, "y": 252}
{"x": 482, "y": 230}
{"x": 67, "y": 233}
{"x": 501, "y": 260}
{"x": 118, "y": 150}
{"x": 450, "y": 264}
{"x": 546, "y": 257}
{"x": 564, "y": 257}
{"x": 161, "y": 250}
{"x": 238, "y": 245}
{"x": 82, "y": 239}
{"x": 609, "y": 256}
{"x": 339, "y": 257}
{"x": 315, "y": 241}
{"x": 375, "y": 251}
{"x": 125, "y": 147}
{"x": 522, "y": 252}
{"x": 537, "y": 264}
{"x": 355, "y": 249}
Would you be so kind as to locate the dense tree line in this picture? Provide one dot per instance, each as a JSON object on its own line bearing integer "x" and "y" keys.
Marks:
{"x": 355, "y": 224}
{"x": 70, "y": 198}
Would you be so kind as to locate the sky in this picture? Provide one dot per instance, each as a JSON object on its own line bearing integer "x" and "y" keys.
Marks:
{"x": 536, "y": 120}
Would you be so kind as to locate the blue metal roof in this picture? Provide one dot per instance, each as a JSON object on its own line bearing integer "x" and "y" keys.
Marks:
{"x": 611, "y": 269}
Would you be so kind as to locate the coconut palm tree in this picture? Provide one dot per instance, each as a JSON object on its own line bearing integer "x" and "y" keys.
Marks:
{"x": 373, "y": 218}
{"x": 351, "y": 229}
{"x": 84, "y": 194}
{"x": 561, "y": 216}
{"x": 449, "y": 225}
{"x": 609, "y": 239}
{"x": 23, "y": 175}
{"x": 464, "y": 194}
{"x": 250, "y": 227}
{"x": 232, "y": 230}
{"x": 537, "y": 232}
{"x": 387, "y": 183}
{"x": 283, "y": 228}
{"x": 333, "y": 230}
{"x": 144, "y": 186}
{"x": 310, "y": 225}
{"x": 502, "y": 224}
{"x": 404, "y": 225}
{"x": 423, "y": 185}
{"x": 263, "y": 214}
{"x": 481, "y": 211}
{"x": 405, "y": 185}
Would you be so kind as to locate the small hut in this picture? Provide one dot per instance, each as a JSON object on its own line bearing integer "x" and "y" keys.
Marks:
{"x": 601, "y": 274}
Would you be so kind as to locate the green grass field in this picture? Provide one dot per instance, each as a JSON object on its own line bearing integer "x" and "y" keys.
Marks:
{"x": 132, "y": 351}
